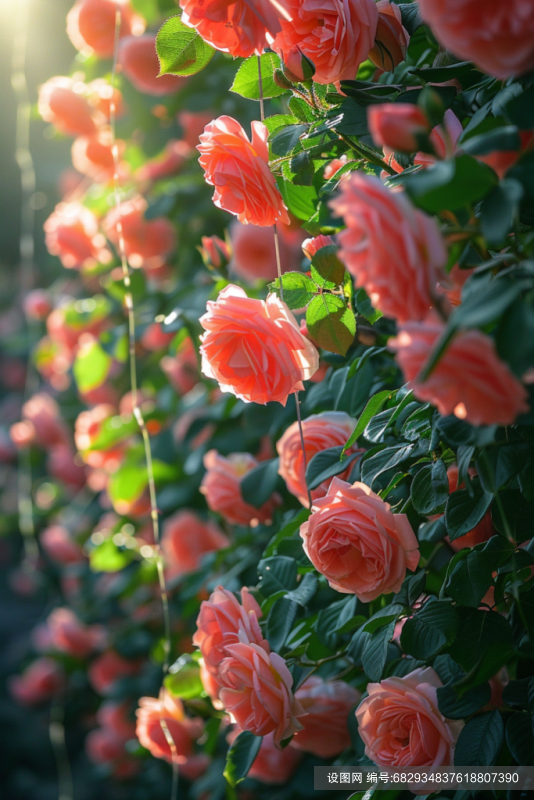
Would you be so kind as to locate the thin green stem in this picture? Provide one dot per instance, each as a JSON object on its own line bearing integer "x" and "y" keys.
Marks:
{"x": 365, "y": 153}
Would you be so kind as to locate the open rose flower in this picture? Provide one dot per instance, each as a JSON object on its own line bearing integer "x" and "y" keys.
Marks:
{"x": 65, "y": 633}
{"x": 91, "y": 25}
{"x": 254, "y": 348}
{"x": 93, "y": 156}
{"x": 327, "y": 704}
{"x": 38, "y": 683}
{"x": 184, "y": 730}
{"x": 336, "y": 35}
{"x": 108, "y": 668}
{"x": 393, "y": 250}
{"x": 469, "y": 380}
{"x": 397, "y": 125}
{"x": 321, "y": 431}
{"x": 355, "y": 540}
{"x": 71, "y": 232}
{"x": 271, "y": 765}
{"x": 62, "y": 104}
{"x": 221, "y": 488}
{"x": 257, "y": 692}
{"x": 186, "y": 538}
{"x": 239, "y": 170}
{"x": 143, "y": 239}
{"x": 401, "y": 725}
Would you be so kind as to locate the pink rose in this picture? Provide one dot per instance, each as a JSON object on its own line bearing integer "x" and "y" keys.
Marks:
{"x": 336, "y": 35}
{"x": 107, "y": 669}
{"x": 221, "y": 487}
{"x": 93, "y": 156}
{"x": 469, "y": 380}
{"x": 37, "y": 304}
{"x": 321, "y": 431}
{"x": 91, "y": 25}
{"x": 355, "y": 540}
{"x": 502, "y": 160}
{"x": 311, "y": 246}
{"x": 155, "y": 338}
{"x": 68, "y": 635}
{"x": 498, "y": 37}
{"x": 181, "y": 368}
{"x": 333, "y": 166}
{"x": 397, "y": 125}
{"x": 167, "y": 164}
{"x": 60, "y": 546}
{"x": 393, "y": 250}
{"x": 254, "y": 348}
{"x": 215, "y": 252}
{"x": 184, "y": 731}
{"x": 401, "y": 725}
{"x": 254, "y": 254}
{"x": 71, "y": 233}
{"x": 239, "y": 170}
{"x": 271, "y": 765}
{"x": 61, "y": 463}
{"x": 115, "y": 717}
{"x": 392, "y": 39}
{"x": 186, "y": 538}
{"x": 140, "y": 64}
{"x": 143, "y": 239}
{"x": 257, "y": 692}
{"x": 327, "y": 705}
{"x": 61, "y": 104}
{"x": 38, "y": 683}
{"x": 44, "y": 414}
{"x": 444, "y": 139}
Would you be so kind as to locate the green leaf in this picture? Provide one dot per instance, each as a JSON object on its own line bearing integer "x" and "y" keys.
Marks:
{"x": 184, "y": 679}
{"x": 430, "y": 488}
{"x": 451, "y": 184}
{"x": 181, "y": 50}
{"x": 108, "y": 558}
{"x": 482, "y": 632}
{"x": 412, "y": 588}
{"x": 278, "y": 573}
{"x": 287, "y": 531}
{"x": 279, "y": 622}
{"x": 429, "y": 630}
{"x": 520, "y": 109}
{"x": 299, "y": 289}
{"x": 241, "y": 756}
{"x": 247, "y": 82}
{"x": 383, "y": 461}
{"x": 502, "y": 138}
{"x": 326, "y": 269}
{"x": 453, "y": 707}
{"x": 91, "y": 367}
{"x": 259, "y": 484}
{"x": 520, "y": 738}
{"x": 326, "y": 464}
{"x": 300, "y": 200}
{"x": 365, "y": 307}
{"x": 480, "y": 741}
{"x": 373, "y": 407}
{"x": 331, "y": 323}
{"x": 472, "y": 576}
{"x": 500, "y": 209}
{"x": 375, "y": 651}
{"x": 286, "y": 139}
{"x": 463, "y": 510}
{"x": 520, "y": 694}
{"x": 334, "y": 617}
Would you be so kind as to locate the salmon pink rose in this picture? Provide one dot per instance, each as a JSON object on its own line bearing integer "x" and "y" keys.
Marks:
{"x": 401, "y": 725}
{"x": 393, "y": 250}
{"x": 60, "y": 546}
{"x": 91, "y": 25}
{"x": 321, "y": 431}
{"x": 168, "y": 163}
{"x": 61, "y": 104}
{"x": 115, "y": 717}
{"x": 392, "y": 39}
{"x": 183, "y": 730}
{"x": 143, "y": 239}
{"x": 254, "y": 253}
{"x": 397, "y": 125}
{"x": 469, "y": 381}
{"x": 140, "y": 64}
{"x": 186, "y": 538}
{"x": 72, "y": 234}
{"x": 254, "y": 348}
{"x": 271, "y": 765}
{"x": 181, "y": 369}
{"x": 311, "y": 246}
{"x": 327, "y": 705}
{"x": 68, "y": 635}
{"x": 38, "y": 683}
{"x": 239, "y": 27}
{"x": 93, "y": 156}
{"x": 108, "y": 668}
{"x": 239, "y": 170}
{"x": 257, "y": 692}
{"x": 336, "y": 35}
{"x": 498, "y": 37}
{"x": 222, "y": 490}
{"x": 355, "y": 540}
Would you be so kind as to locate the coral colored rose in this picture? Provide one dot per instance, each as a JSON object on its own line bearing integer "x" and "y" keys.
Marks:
{"x": 444, "y": 140}
{"x": 321, "y": 431}
{"x": 107, "y": 669}
{"x": 397, "y": 125}
{"x": 154, "y": 338}
{"x": 115, "y": 717}
{"x": 254, "y": 253}
{"x": 44, "y": 414}
{"x": 221, "y": 488}
{"x": 393, "y": 250}
{"x": 139, "y": 62}
{"x": 68, "y": 635}
{"x": 193, "y": 124}
{"x": 93, "y": 156}
{"x": 143, "y": 239}
{"x": 181, "y": 369}
{"x": 498, "y": 37}
{"x": 215, "y": 252}
{"x": 87, "y": 429}
{"x": 169, "y": 163}
{"x": 71, "y": 233}
{"x": 469, "y": 380}
{"x": 257, "y": 692}
{"x": 333, "y": 166}
{"x": 311, "y": 246}
{"x": 91, "y": 25}
{"x": 336, "y": 35}
{"x": 392, "y": 39}
{"x": 453, "y": 283}
{"x": 102, "y": 96}
{"x": 37, "y": 304}
{"x": 355, "y": 540}
{"x": 211, "y": 685}
{"x": 254, "y": 348}
{"x": 271, "y": 765}
{"x": 239, "y": 170}
{"x": 241, "y": 27}
{"x": 401, "y": 725}
{"x": 64, "y": 106}
{"x": 327, "y": 704}
{"x": 60, "y": 546}
{"x": 184, "y": 731}
{"x": 186, "y": 538}
{"x": 38, "y": 683}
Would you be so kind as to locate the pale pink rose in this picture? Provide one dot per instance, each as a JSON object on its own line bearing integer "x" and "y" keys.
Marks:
{"x": 444, "y": 139}
{"x": 71, "y": 233}
{"x": 392, "y": 39}
{"x": 397, "y": 125}
{"x": 186, "y": 538}
{"x": 257, "y": 692}
{"x": 321, "y": 431}
{"x": 498, "y": 37}
{"x": 140, "y": 64}
{"x": 38, "y": 683}
{"x": 143, "y": 239}
{"x": 60, "y": 546}
{"x": 271, "y": 765}
{"x": 239, "y": 170}
{"x": 241, "y": 28}
{"x": 68, "y": 635}
{"x": 254, "y": 348}
{"x": 254, "y": 254}
{"x": 167, "y": 164}
{"x": 333, "y": 166}
{"x": 184, "y": 731}
{"x": 221, "y": 488}
{"x": 327, "y": 705}
{"x": 336, "y": 35}
{"x": 355, "y": 540}
{"x": 108, "y": 668}
{"x": 401, "y": 725}
{"x": 393, "y": 250}
{"x": 469, "y": 380}
{"x": 311, "y": 246}
{"x": 62, "y": 104}
{"x": 91, "y": 25}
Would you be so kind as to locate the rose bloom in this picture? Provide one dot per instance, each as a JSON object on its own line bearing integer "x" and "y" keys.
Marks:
{"x": 241, "y": 28}
{"x": 215, "y": 252}
{"x": 333, "y": 166}
{"x": 311, "y": 246}
{"x": 143, "y": 239}
{"x": 68, "y": 635}
{"x": 107, "y": 669}
{"x": 91, "y": 25}
{"x": 254, "y": 348}
{"x": 71, "y": 233}
{"x": 139, "y": 62}
{"x": 61, "y": 463}
{"x": 321, "y": 431}
{"x": 498, "y": 37}
{"x": 93, "y": 156}
{"x": 239, "y": 170}
{"x": 221, "y": 488}
{"x": 44, "y": 414}
{"x": 393, "y": 250}
{"x": 87, "y": 429}
{"x": 155, "y": 338}
{"x": 444, "y": 139}
{"x": 184, "y": 731}
{"x": 336, "y": 35}
{"x": 392, "y": 39}
{"x": 181, "y": 369}
{"x": 254, "y": 253}
{"x": 38, "y": 683}
{"x": 101, "y": 96}
{"x": 186, "y": 538}
{"x": 257, "y": 692}
{"x": 60, "y": 546}
{"x": 62, "y": 104}
{"x": 193, "y": 124}
{"x": 469, "y": 380}
{"x": 397, "y": 125}
{"x": 355, "y": 540}
{"x": 327, "y": 704}
{"x": 167, "y": 164}
{"x": 401, "y": 725}
{"x": 271, "y": 765}
{"x": 37, "y": 304}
